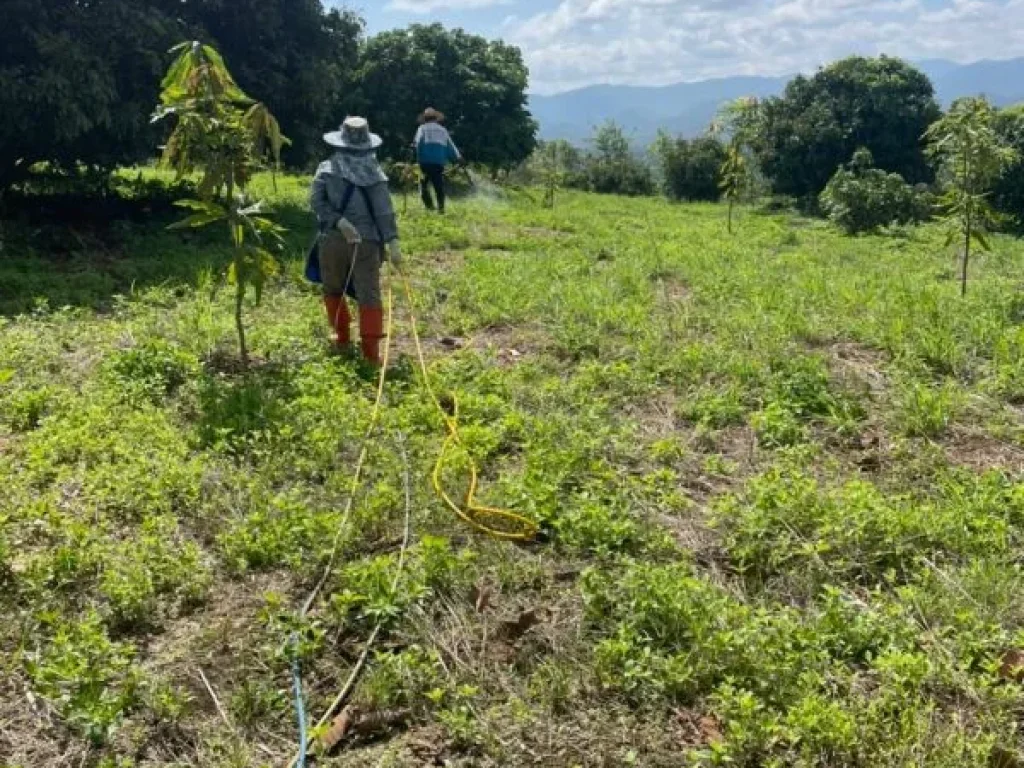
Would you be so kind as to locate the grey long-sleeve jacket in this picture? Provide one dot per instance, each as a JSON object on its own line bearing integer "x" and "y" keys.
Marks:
{"x": 328, "y": 193}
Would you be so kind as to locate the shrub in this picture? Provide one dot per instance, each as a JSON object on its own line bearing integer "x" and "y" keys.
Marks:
{"x": 153, "y": 369}
{"x": 624, "y": 176}
{"x": 1008, "y": 194}
{"x": 787, "y": 523}
{"x": 612, "y": 168}
{"x": 90, "y": 679}
{"x": 860, "y": 198}
{"x": 690, "y": 169}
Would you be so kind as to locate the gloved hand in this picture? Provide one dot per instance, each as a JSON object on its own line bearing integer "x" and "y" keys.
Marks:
{"x": 349, "y": 231}
{"x": 395, "y": 253}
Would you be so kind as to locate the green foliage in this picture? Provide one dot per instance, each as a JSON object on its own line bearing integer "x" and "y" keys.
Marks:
{"x": 77, "y": 79}
{"x": 861, "y": 198}
{"x": 371, "y": 593}
{"x": 88, "y": 677}
{"x": 739, "y": 120}
{"x": 479, "y": 84}
{"x": 927, "y": 411}
{"x": 690, "y": 169}
{"x": 1008, "y": 190}
{"x": 787, "y": 525}
{"x": 222, "y": 133}
{"x": 74, "y": 82}
{"x": 152, "y": 370}
{"x": 155, "y": 564}
{"x": 286, "y": 51}
{"x": 768, "y": 454}
{"x": 553, "y": 166}
{"x": 611, "y": 168}
{"x": 971, "y": 156}
{"x": 777, "y": 426}
{"x": 883, "y": 104}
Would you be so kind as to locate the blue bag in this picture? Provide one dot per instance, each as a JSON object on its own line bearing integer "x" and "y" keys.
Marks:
{"x": 313, "y": 257}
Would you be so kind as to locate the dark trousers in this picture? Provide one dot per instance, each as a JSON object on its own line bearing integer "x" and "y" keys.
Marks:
{"x": 433, "y": 175}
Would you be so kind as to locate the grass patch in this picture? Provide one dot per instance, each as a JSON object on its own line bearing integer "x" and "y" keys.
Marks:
{"x": 771, "y": 533}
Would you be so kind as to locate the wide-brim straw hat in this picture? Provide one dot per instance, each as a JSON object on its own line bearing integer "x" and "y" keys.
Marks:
{"x": 432, "y": 114}
{"x": 355, "y": 135}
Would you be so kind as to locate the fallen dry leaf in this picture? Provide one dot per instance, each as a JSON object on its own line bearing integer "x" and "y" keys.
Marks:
{"x": 510, "y": 631}
{"x": 480, "y": 594}
{"x": 339, "y": 728}
{"x": 710, "y": 729}
{"x": 1011, "y": 665}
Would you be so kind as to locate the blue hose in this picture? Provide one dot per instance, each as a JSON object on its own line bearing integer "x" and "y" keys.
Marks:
{"x": 300, "y": 707}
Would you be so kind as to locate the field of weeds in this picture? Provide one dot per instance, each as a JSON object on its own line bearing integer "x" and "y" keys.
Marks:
{"x": 776, "y": 476}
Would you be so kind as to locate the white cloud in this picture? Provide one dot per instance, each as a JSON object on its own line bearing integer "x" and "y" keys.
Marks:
{"x": 430, "y": 6}
{"x": 655, "y": 42}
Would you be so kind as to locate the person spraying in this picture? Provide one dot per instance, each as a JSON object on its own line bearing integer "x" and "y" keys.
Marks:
{"x": 358, "y": 231}
{"x": 434, "y": 150}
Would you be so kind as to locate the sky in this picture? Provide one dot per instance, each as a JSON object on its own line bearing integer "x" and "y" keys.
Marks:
{"x": 572, "y": 43}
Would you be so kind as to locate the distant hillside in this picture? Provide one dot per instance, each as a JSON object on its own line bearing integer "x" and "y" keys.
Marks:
{"x": 689, "y": 108}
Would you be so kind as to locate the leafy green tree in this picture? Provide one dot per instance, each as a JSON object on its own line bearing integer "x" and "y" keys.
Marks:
{"x": 862, "y": 198}
{"x": 689, "y": 168}
{"x": 479, "y": 84}
{"x": 300, "y": 58}
{"x": 1008, "y": 192}
{"x": 555, "y": 165}
{"x": 226, "y": 136}
{"x": 612, "y": 167}
{"x": 77, "y": 81}
{"x": 882, "y": 104}
{"x": 739, "y": 121}
{"x": 970, "y": 155}
{"x": 735, "y": 175}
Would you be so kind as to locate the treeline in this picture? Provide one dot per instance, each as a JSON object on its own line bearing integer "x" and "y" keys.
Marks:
{"x": 849, "y": 141}
{"x": 78, "y": 81}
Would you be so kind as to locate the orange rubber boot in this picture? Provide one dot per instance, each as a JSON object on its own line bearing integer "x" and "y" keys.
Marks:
{"x": 339, "y": 318}
{"x": 371, "y": 331}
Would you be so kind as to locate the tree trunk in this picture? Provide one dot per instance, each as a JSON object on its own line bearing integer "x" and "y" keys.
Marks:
{"x": 967, "y": 258}
{"x": 239, "y": 325}
{"x": 239, "y": 273}
{"x": 968, "y": 219}
{"x": 968, "y": 224}
{"x": 730, "y": 215}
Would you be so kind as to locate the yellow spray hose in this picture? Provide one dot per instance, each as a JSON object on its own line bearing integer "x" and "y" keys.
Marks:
{"x": 357, "y": 476}
{"x": 499, "y": 523}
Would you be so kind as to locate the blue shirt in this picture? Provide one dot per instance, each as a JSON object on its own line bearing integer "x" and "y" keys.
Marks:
{"x": 434, "y": 146}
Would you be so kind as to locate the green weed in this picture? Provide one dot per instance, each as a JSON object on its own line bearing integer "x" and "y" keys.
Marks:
{"x": 805, "y": 393}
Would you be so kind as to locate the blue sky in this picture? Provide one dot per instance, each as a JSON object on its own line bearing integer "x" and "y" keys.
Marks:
{"x": 572, "y": 43}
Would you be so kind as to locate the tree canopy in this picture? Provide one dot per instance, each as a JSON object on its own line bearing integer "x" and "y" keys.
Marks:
{"x": 77, "y": 80}
{"x": 298, "y": 59}
{"x": 479, "y": 84}
{"x": 1008, "y": 194}
{"x": 882, "y": 104}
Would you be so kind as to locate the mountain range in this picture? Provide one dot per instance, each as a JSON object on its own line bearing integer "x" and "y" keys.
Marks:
{"x": 688, "y": 108}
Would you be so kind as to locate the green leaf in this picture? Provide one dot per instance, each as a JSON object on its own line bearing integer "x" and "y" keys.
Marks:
{"x": 252, "y": 209}
{"x": 203, "y": 206}
{"x": 196, "y": 221}
{"x": 264, "y": 266}
{"x": 979, "y": 237}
